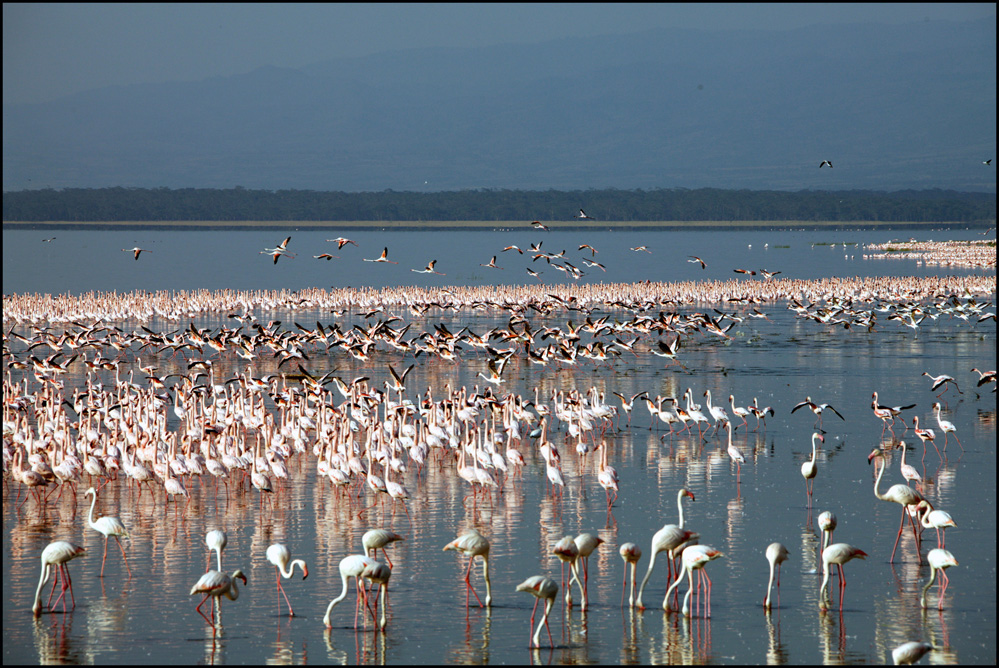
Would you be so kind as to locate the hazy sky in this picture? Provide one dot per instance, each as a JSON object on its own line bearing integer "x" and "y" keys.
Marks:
{"x": 51, "y": 50}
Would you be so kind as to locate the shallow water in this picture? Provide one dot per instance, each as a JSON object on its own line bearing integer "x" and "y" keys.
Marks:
{"x": 151, "y": 618}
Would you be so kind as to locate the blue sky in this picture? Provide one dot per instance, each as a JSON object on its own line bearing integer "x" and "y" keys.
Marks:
{"x": 52, "y": 50}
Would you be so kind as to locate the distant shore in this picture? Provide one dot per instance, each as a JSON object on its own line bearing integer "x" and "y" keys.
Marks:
{"x": 418, "y": 225}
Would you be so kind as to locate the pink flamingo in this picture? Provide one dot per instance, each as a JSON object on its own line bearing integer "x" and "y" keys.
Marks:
{"x": 541, "y": 588}
{"x": 694, "y": 558}
{"x": 279, "y": 555}
{"x": 57, "y": 553}
{"x": 810, "y": 468}
{"x": 939, "y": 560}
{"x": 838, "y": 554}
{"x": 631, "y": 553}
{"x": 109, "y": 526}
{"x": 473, "y": 544}
{"x": 776, "y": 555}
{"x": 900, "y": 494}
{"x": 217, "y": 585}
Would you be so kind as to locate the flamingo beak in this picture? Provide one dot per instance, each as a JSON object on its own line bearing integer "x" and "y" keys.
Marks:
{"x": 242, "y": 577}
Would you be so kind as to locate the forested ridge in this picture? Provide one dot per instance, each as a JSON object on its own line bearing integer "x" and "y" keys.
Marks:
{"x": 631, "y": 206}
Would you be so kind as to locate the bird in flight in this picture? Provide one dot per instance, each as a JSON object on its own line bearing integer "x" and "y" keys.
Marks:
{"x": 535, "y": 274}
{"x": 381, "y": 258}
{"x": 492, "y": 263}
{"x": 341, "y": 242}
{"x": 745, "y": 271}
{"x": 582, "y": 214}
{"x": 824, "y": 163}
{"x": 429, "y": 269}
{"x": 769, "y": 274}
{"x": 537, "y": 224}
{"x": 696, "y": 260}
{"x": 135, "y": 250}
{"x": 984, "y": 162}
{"x": 642, "y": 248}
{"x": 326, "y": 256}
{"x": 281, "y": 249}
{"x": 590, "y": 263}
{"x": 45, "y": 241}
{"x": 593, "y": 251}
{"x": 512, "y": 248}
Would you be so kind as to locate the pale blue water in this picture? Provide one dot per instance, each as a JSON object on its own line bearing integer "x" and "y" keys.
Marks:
{"x": 151, "y": 619}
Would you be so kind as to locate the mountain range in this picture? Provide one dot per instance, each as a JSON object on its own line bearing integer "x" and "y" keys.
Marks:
{"x": 890, "y": 106}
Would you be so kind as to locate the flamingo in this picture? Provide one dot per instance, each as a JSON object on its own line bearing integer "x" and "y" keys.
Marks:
{"x": 667, "y": 539}
{"x": 738, "y": 411}
{"x": 216, "y": 540}
{"x": 946, "y": 427}
{"x": 279, "y": 555}
{"x": 838, "y": 554}
{"x": 827, "y": 522}
{"x": 733, "y": 453}
{"x": 924, "y": 434}
{"x": 379, "y": 574}
{"x": 217, "y": 584}
{"x": 473, "y": 544}
{"x": 900, "y": 494}
{"x": 541, "y": 588}
{"x": 936, "y": 519}
{"x": 377, "y": 539}
{"x": 135, "y": 251}
{"x": 276, "y": 252}
{"x": 57, "y": 553}
{"x": 942, "y": 380}
{"x": 586, "y": 543}
{"x": 810, "y": 468}
{"x": 908, "y": 471}
{"x": 631, "y": 553}
{"x": 776, "y": 555}
{"x": 910, "y": 652}
{"x": 567, "y": 552}
{"x": 381, "y": 258}
{"x": 694, "y": 558}
{"x": 817, "y": 409}
{"x": 109, "y": 526}
{"x": 939, "y": 560}
{"x": 351, "y": 566}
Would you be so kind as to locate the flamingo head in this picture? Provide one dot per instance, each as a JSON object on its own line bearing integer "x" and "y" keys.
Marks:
{"x": 876, "y": 452}
{"x": 859, "y": 554}
{"x": 305, "y": 572}
{"x": 239, "y": 574}
{"x": 688, "y": 494}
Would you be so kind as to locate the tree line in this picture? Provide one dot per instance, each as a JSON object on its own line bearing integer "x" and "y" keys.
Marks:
{"x": 631, "y": 206}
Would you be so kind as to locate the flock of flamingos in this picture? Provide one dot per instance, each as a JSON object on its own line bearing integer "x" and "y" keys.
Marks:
{"x": 360, "y": 434}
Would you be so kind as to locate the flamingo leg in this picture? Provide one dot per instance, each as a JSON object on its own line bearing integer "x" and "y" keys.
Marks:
{"x": 468, "y": 583}
{"x": 105, "y": 555}
{"x": 127, "y": 567}
{"x": 291, "y": 613}
{"x": 944, "y": 581}
{"x": 203, "y": 614}
{"x": 901, "y": 525}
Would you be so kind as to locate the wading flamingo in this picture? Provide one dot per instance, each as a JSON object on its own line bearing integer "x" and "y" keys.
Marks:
{"x": 109, "y": 526}
{"x": 910, "y": 652}
{"x": 351, "y": 566}
{"x": 473, "y": 544}
{"x": 57, "y": 553}
{"x": 631, "y": 553}
{"x": 586, "y": 543}
{"x": 217, "y": 585}
{"x": 838, "y": 554}
{"x": 827, "y": 523}
{"x": 811, "y": 468}
{"x": 377, "y": 539}
{"x": 666, "y": 540}
{"x": 936, "y": 519}
{"x": 567, "y": 552}
{"x": 541, "y": 588}
{"x": 216, "y": 540}
{"x": 379, "y": 574}
{"x": 776, "y": 555}
{"x": 946, "y": 427}
{"x": 279, "y": 555}
{"x": 694, "y": 558}
{"x": 939, "y": 560}
{"x": 900, "y": 494}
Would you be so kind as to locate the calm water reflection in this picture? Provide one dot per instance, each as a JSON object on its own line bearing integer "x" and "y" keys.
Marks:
{"x": 151, "y": 618}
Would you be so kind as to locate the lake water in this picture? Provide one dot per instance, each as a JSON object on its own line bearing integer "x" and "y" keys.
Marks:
{"x": 151, "y": 618}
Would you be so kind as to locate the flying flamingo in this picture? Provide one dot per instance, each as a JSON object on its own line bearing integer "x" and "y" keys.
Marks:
{"x": 817, "y": 409}
{"x": 631, "y": 553}
{"x": 939, "y": 560}
{"x": 276, "y": 252}
{"x": 377, "y": 539}
{"x": 217, "y": 584}
{"x": 810, "y": 469}
{"x": 279, "y": 555}
{"x": 351, "y": 566}
{"x": 946, "y": 427}
{"x": 694, "y": 558}
{"x": 216, "y": 540}
{"x": 381, "y": 258}
{"x": 776, "y": 555}
{"x": 838, "y": 554}
{"x": 900, "y": 494}
{"x": 541, "y": 588}
{"x": 136, "y": 251}
{"x": 473, "y": 544}
{"x": 56, "y": 553}
{"x": 667, "y": 539}
{"x": 109, "y": 526}
{"x": 936, "y": 519}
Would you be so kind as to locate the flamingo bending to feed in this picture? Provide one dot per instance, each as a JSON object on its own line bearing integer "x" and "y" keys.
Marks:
{"x": 776, "y": 555}
{"x": 810, "y": 469}
{"x": 541, "y": 588}
{"x": 377, "y": 539}
{"x": 279, "y": 555}
{"x": 567, "y": 552}
{"x": 827, "y": 522}
{"x": 57, "y": 553}
{"x": 900, "y": 494}
{"x": 939, "y": 560}
{"x": 217, "y": 584}
{"x": 473, "y": 544}
{"x": 586, "y": 543}
{"x": 694, "y": 558}
{"x": 910, "y": 652}
{"x": 351, "y": 566}
{"x": 109, "y": 526}
{"x": 631, "y": 553}
{"x": 379, "y": 574}
{"x": 216, "y": 540}
{"x": 838, "y": 554}
{"x": 936, "y": 519}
